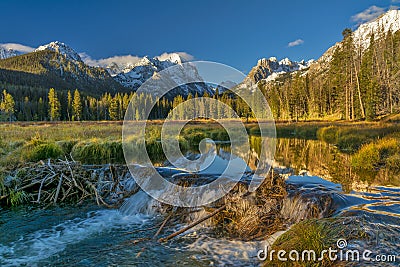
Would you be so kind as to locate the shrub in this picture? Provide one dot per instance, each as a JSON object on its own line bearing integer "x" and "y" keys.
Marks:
{"x": 376, "y": 156}
{"x": 67, "y": 145}
{"x": 317, "y": 235}
{"x": 367, "y": 158}
{"x": 95, "y": 152}
{"x": 393, "y": 163}
{"x": 43, "y": 151}
{"x": 16, "y": 198}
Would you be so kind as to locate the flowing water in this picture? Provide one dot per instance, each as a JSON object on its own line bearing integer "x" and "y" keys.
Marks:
{"x": 92, "y": 236}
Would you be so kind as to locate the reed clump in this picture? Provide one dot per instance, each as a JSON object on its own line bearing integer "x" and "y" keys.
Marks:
{"x": 98, "y": 152}
{"x": 379, "y": 161}
{"x": 350, "y": 138}
{"x": 316, "y": 235}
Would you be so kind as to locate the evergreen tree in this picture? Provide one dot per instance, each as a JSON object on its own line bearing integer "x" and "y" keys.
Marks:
{"x": 114, "y": 109}
{"x": 77, "y": 106}
{"x": 368, "y": 81}
{"x": 69, "y": 105}
{"x": 7, "y": 105}
{"x": 54, "y": 105}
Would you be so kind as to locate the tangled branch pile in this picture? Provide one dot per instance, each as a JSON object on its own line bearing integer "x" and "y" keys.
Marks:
{"x": 240, "y": 214}
{"x": 250, "y": 216}
{"x": 63, "y": 181}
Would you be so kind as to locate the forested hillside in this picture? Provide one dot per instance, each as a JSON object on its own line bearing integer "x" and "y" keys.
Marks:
{"x": 355, "y": 84}
{"x": 51, "y": 69}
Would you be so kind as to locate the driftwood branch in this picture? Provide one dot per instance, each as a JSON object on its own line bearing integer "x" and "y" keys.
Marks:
{"x": 58, "y": 188}
{"x": 193, "y": 224}
{"x": 162, "y": 226}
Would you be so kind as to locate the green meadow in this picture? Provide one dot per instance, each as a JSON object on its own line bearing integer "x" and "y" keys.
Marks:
{"x": 373, "y": 146}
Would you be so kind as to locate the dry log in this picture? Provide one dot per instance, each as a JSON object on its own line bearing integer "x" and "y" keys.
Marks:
{"x": 162, "y": 226}
{"x": 193, "y": 224}
{"x": 58, "y": 188}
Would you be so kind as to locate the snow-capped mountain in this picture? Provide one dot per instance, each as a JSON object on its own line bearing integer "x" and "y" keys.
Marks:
{"x": 115, "y": 69}
{"x": 117, "y": 64}
{"x": 226, "y": 85}
{"x": 172, "y": 57}
{"x": 62, "y": 49}
{"x": 133, "y": 77}
{"x": 126, "y": 71}
{"x": 8, "y": 50}
{"x": 114, "y": 65}
{"x": 270, "y": 69}
{"x": 57, "y": 65}
{"x": 390, "y": 21}
{"x": 6, "y": 53}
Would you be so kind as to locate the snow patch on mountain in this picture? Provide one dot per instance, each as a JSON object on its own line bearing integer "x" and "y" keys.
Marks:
{"x": 8, "y": 50}
{"x": 270, "y": 69}
{"x": 114, "y": 65}
{"x": 390, "y": 21}
{"x": 7, "y": 53}
{"x": 177, "y": 57}
{"x": 144, "y": 69}
{"x": 62, "y": 49}
{"x": 147, "y": 68}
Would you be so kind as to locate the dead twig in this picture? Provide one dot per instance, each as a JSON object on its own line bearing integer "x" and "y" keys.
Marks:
{"x": 58, "y": 188}
{"x": 192, "y": 224}
{"x": 162, "y": 226}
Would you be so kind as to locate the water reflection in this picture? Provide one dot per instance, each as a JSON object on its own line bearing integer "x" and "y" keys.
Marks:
{"x": 300, "y": 155}
{"x": 318, "y": 158}
{"x": 322, "y": 159}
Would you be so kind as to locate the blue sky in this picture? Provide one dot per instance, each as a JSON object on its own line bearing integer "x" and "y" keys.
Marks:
{"x": 236, "y": 33}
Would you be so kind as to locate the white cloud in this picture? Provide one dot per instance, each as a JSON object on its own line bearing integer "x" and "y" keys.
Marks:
{"x": 104, "y": 62}
{"x": 185, "y": 56}
{"x": 368, "y": 14}
{"x": 296, "y": 43}
{"x": 127, "y": 60}
{"x": 18, "y": 47}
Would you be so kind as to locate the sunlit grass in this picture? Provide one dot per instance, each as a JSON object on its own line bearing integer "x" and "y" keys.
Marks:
{"x": 316, "y": 235}
{"x": 379, "y": 161}
{"x": 350, "y": 138}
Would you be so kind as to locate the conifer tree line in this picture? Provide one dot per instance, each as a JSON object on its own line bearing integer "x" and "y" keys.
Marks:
{"x": 74, "y": 106}
{"x": 357, "y": 84}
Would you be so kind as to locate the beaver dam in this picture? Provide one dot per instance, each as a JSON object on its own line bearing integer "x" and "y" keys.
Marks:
{"x": 85, "y": 215}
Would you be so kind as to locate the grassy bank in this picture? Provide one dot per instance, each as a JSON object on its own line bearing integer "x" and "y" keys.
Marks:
{"x": 316, "y": 235}
{"x": 101, "y": 140}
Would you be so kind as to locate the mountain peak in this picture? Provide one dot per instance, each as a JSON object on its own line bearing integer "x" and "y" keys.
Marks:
{"x": 7, "y": 52}
{"x": 269, "y": 69}
{"x": 142, "y": 62}
{"x": 389, "y": 21}
{"x": 61, "y": 48}
{"x": 172, "y": 57}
